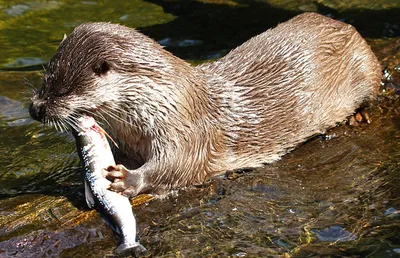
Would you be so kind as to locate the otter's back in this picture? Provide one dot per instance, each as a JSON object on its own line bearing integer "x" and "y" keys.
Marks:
{"x": 290, "y": 83}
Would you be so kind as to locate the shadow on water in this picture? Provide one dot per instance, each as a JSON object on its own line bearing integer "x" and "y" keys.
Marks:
{"x": 334, "y": 196}
{"x": 221, "y": 27}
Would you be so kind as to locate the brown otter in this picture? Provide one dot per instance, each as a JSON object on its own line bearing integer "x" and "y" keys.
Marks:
{"x": 177, "y": 124}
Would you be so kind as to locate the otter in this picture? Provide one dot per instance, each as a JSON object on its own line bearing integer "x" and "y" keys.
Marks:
{"x": 177, "y": 125}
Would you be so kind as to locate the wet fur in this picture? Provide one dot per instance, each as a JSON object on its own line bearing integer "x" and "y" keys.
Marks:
{"x": 178, "y": 124}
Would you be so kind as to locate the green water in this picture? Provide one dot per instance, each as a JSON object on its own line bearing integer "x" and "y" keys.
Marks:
{"x": 329, "y": 198}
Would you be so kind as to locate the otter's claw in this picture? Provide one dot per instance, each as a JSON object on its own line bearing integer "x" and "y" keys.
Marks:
{"x": 117, "y": 172}
{"x": 359, "y": 118}
{"x": 118, "y": 176}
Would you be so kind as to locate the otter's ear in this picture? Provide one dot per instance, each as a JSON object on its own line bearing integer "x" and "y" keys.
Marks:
{"x": 101, "y": 67}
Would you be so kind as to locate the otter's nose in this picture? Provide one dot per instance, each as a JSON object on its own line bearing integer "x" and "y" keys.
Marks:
{"x": 36, "y": 111}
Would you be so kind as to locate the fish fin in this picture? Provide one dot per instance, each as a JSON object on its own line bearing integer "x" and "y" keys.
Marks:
{"x": 136, "y": 249}
{"x": 89, "y": 196}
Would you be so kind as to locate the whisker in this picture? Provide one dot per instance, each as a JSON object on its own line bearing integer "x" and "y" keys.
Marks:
{"x": 57, "y": 125}
{"x": 65, "y": 124}
{"x": 112, "y": 115}
{"x": 61, "y": 125}
{"x": 104, "y": 119}
{"x": 112, "y": 111}
{"x": 72, "y": 122}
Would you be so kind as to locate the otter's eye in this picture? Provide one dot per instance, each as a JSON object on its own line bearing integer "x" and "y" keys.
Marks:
{"x": 101, "y": 67}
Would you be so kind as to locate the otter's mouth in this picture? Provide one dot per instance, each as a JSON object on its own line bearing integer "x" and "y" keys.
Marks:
{"x": 93, "y": 110}
{"x": 97, "y": 108}
{"x": 91, "y": 115}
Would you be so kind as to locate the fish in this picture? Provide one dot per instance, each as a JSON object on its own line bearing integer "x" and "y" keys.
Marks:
{"x": 96, "y": 155}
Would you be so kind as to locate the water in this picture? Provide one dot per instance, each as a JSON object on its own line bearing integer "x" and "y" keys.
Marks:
{"x": 336, "y": 195}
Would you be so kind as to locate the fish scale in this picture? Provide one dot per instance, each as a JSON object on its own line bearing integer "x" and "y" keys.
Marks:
{"x": 96, "y": 155}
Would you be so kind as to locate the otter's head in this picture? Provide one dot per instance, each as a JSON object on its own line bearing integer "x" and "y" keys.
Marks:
{"x": 98, "y": 69}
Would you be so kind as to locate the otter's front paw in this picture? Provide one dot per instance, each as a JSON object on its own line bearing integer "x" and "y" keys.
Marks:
{"x": 121, "y": 179}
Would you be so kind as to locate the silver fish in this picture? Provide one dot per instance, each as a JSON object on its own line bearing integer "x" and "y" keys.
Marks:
{"x": 95, "y": 153}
